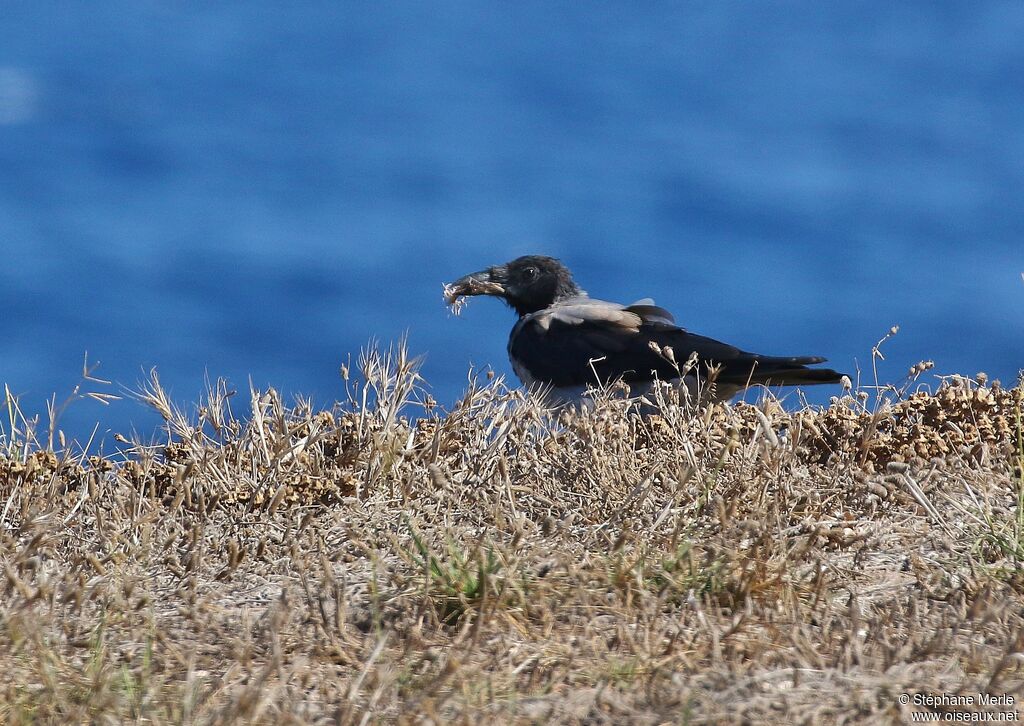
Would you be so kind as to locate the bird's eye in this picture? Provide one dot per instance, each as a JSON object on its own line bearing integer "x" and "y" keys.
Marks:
{"x": 530, "y": 273}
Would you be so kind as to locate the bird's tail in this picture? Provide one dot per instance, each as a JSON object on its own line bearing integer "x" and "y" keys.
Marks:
{"x": 793, "y": 375}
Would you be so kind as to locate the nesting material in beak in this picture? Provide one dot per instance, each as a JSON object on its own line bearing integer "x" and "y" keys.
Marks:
{"x": 468, "y": 286}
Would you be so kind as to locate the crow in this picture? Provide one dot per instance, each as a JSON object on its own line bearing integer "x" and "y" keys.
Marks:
{"x": 566, "y": 342}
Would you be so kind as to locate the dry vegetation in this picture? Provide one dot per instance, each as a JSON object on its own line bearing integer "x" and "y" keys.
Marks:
{"x": 497, "y": 564}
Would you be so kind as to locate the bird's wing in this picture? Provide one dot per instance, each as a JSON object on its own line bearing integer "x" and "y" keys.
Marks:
{"x": 650, "y": 312}
{"x": 586, "y": 341}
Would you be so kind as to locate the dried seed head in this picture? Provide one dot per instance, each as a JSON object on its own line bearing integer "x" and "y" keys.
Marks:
{"x": 278, "y": 497}
{"x": 921, "y": 367}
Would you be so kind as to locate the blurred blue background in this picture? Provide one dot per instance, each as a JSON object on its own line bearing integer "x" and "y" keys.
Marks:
{"x": 258, "y": 189}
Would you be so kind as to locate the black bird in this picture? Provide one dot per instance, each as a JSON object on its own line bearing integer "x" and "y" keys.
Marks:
{"x": 568, "y": 342}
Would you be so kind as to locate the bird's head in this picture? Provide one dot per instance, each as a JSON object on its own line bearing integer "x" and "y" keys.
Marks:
{"x": 527, "y": 284}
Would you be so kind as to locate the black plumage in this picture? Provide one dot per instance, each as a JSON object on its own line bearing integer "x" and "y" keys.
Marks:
{"x": 568, "y": 341}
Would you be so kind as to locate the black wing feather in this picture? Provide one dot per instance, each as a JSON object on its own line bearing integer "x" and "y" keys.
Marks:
{"x": 587, "y": 349}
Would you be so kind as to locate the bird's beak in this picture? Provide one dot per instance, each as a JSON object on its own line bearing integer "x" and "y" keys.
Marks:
{"x": 484, "y": 282}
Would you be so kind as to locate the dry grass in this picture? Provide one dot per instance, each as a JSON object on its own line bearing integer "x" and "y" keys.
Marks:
{"x": 496, "y": 564}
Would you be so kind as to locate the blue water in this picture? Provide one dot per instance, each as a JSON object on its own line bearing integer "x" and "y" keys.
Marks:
{"x": 255, "y": 190}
